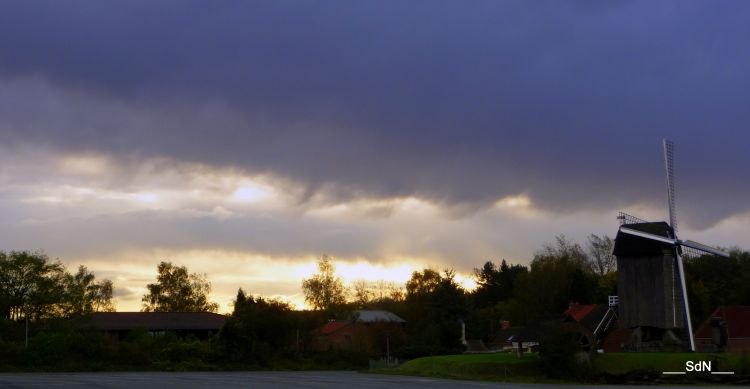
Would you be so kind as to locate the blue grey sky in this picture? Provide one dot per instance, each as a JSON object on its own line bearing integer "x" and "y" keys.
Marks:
{"x": 291, "y": 128}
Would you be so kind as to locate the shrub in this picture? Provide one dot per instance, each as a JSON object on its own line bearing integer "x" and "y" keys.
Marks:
{"x": 743, "y": 364}
{"x": 558, "y": 350}
{"x": 11, "y": 353}
{"x": 48, "y": 348}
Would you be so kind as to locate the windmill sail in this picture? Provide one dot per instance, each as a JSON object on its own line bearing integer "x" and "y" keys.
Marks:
{"x": 646, "y": 235}
{"x": 704, "y": 248}
{"x": 685, "y": 243}
{"x": 669, "y": 166}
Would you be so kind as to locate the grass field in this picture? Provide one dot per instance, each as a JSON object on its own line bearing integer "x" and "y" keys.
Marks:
{"x": 499, "y": 366}
{"x": 507, "y": 367}
{"x": 622, "y": 363}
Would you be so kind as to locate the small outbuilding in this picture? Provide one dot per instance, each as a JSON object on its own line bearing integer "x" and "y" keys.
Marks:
{"x": 509, "y": 338}
{"x": 727, "y": 329}
{"x": 593, "y": 322}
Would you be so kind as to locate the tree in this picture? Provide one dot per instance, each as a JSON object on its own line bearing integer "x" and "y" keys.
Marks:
{"x": 379, "y": 295}
{"x": 495, "y": 284}
{"x": 84, "y": 295}
{"x": 714, "y": 281}
{"x": 600, "y": 251}
{"x": 324, "y": 291}
{"x": 30, "y": 284}
{"x": 258, "y": 328}
{"x": 558, "y": 275}
{"x": 176, "y": 290}
{"x": 363, "y": 296}
{"x": 435, "y": 306}
{"x": 422, "y": 283}
{"x": 563, "y": 248}
{"x": 241, "y": 298}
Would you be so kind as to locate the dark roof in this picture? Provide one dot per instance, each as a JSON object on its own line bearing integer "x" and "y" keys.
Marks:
{"x": 362, "y": 316}
{"x": 518, "y": 334}
{"x": 627, "y": 245}
{"x": 157, "y": 321}
{"x": 372, "y": 316}
{"x": 737, "y": 318}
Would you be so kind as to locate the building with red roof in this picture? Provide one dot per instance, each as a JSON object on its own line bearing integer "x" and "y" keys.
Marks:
{"x": 727, "y": 329}
{"x": 593, "y": 321}
{"x": 579, "y": 311}
{"x": 364, "y": 332}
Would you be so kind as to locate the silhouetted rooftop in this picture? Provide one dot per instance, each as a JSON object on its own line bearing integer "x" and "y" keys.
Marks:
{"x": 158, "y": 321}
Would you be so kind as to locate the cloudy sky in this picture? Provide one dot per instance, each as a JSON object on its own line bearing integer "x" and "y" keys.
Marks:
{"x": 245, "y": 138}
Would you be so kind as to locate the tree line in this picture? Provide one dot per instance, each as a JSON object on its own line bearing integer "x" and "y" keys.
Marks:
{"x": 270, "y": 333}
{"x": 434, "y": 303}
{"x": 560, "y": 273}
{"x": 31, "y": 285}
{"x": 34, "y": 286}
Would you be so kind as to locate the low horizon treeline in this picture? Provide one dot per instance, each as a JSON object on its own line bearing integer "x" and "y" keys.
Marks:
{"x": 433, "y": 303}
{"x": 269, "y": 332}
{"x": 560, "y": 273}
{"x": 570, "y": 272}
{"x": 48, "y": 289}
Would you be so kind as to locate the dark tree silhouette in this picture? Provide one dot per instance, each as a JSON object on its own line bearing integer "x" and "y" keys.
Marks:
{"x": 176, "y": 290}
{"x": 324, "y": 291}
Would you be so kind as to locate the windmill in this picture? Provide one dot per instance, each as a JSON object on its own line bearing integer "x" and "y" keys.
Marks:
{"x": 651, "y": 284}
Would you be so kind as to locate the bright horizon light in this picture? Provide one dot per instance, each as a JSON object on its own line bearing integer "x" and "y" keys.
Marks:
{"x": 257, "y": 275}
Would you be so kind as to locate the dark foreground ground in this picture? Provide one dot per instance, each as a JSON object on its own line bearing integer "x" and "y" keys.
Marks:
{"x": 214, "y": 380}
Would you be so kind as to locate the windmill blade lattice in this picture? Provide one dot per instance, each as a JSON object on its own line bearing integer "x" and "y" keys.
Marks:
{"x": 625, "y": 218}
{"x": 689, "y": 252}
{"x": 669, "y": 165}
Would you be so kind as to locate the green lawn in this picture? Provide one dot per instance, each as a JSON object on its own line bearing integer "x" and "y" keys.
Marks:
{"x": 500, "y": 366}
{"x": 507, "y": 367}
{"x": 622, "y": 363}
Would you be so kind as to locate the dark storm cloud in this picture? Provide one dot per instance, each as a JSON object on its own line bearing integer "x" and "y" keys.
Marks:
{"x": 454, "y": 102}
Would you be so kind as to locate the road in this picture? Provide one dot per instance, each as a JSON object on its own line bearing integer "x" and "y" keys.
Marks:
{"x": 218, "y": 380}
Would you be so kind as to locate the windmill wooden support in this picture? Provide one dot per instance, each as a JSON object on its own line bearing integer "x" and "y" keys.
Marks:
{"x": 651, "y": 277}
{"x": 648, "y": 293}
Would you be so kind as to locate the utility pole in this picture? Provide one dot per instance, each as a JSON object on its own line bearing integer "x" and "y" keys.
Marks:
{"x": 26, "y": 317}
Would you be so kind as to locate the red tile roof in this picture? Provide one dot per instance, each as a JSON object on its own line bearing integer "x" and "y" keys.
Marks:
{"x": 737, "y": 318}
{"x": 578, "y": 311}
{"x": 334, "y": 326}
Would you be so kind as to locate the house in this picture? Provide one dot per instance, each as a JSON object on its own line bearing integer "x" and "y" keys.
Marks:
{"x": 593, "y": 321}
{"x": 367, "y": 331}
{"x": 509, "y": 338}
{"x": 199, "y": 324}
{"x": 727, "y": 329}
